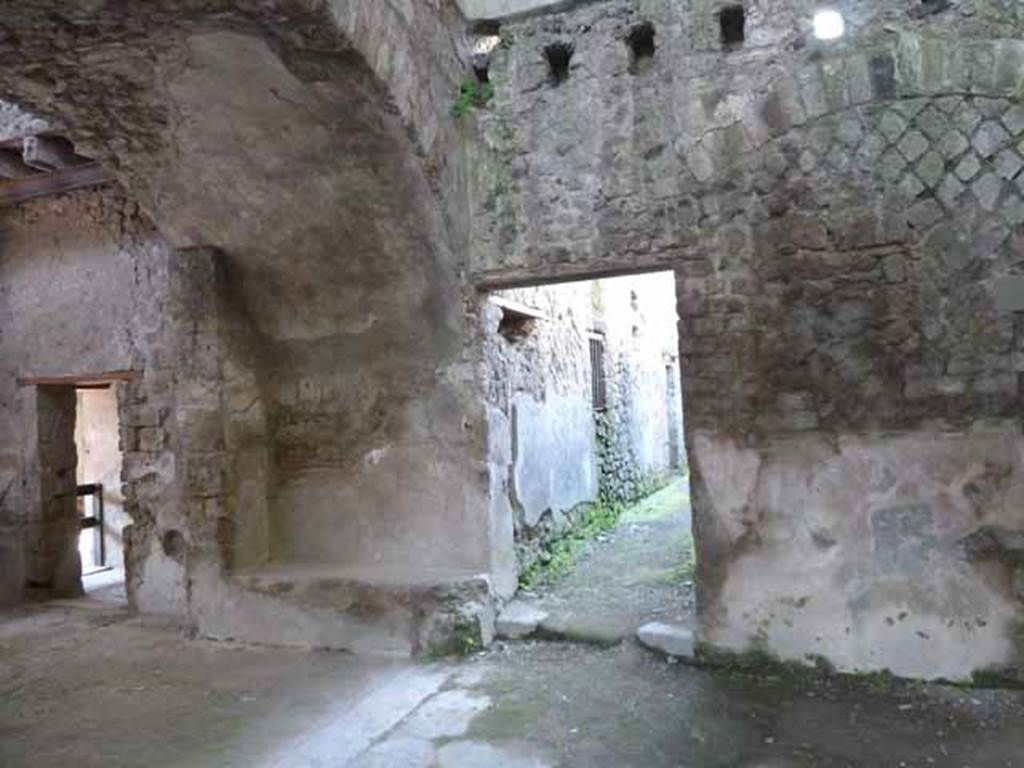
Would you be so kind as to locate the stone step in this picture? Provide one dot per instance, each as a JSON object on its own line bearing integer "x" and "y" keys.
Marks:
{"x": 368, "y": 611}
{"x": 518, "y": 620}
{"x": 673, "y": 640}
{"x": 588, "y": 629}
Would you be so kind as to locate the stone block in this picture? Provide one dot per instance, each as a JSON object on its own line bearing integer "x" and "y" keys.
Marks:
{"x": 990, "y": 138}
{"x": 892, "y": 125}
{"x": 150, "y": 439}
{"x": 913, "y": 145}
{"x": 860, "y": 79}
{"x": 812, "y": 91}
{"x": 894, "y": 268}
{"x": 1013, "y": 120}
{"x": 1008, "y": 293}
{"x": 143, "y": 416}
{"x": 519, "y": 620}
{"x": 571, "y": 627}
{"x": 950, "y": 190}
{"x": 933, "y": 122}
{"x": 1008, "y": 163}
{"x": 968, "y": 167}
{"x": 953, "y": 144}
{"x": 883, "y": 76}
{"x": 671, "y": 639}
{"x": 924, "y": 214}
{"x": 931, "y": 168}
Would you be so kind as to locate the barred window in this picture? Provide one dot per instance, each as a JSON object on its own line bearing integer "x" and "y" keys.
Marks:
{"x": 598, "y": 387}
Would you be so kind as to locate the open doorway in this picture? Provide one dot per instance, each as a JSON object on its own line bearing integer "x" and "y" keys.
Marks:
{"x": 76, "y": 539}
{"x": 99, "y": 496}
{"x": 587, "y": 425}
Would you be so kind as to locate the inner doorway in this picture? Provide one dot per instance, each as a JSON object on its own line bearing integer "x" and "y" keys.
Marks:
{"x": 100, "y": 501}
{"x": 76, "y": 539}
{"x": 585, "y": 378}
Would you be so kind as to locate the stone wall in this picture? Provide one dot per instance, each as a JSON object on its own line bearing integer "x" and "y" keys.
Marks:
{"x": 89, "y": 288}
{"x": 50, "y": 528}
{"x": 640, "y": 430}
{"x": 844, "y": 222}
{"x": 76, "y": 299}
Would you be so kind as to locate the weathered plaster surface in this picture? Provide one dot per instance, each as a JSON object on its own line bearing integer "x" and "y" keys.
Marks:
{"x": 556, "y": 455}
{"x": 858, "y": 549}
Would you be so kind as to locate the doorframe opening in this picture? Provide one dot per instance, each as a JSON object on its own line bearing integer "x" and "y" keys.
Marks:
{"x": 55, "y": 567}
{"x": 487, "y": 286}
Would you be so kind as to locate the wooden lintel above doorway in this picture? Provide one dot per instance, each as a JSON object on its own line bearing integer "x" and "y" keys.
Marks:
{"x": 81, "y": 381}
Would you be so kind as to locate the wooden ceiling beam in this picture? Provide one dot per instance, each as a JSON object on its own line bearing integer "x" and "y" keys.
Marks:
{"x": 14, "y": 191}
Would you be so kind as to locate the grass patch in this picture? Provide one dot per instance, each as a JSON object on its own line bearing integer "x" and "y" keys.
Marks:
{"x": 557, "y": 560}
{"x": 678, "y": 575}
{"x": 686, "y": 568}
{"x": 560, "y": 555}
{"x": 660, "y": 505}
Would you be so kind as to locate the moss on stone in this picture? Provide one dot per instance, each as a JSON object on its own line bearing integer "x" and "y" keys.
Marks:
{"x": 461, "y": 637}
{"x": 557, "y": 556}
{"x": 760, "y": 662}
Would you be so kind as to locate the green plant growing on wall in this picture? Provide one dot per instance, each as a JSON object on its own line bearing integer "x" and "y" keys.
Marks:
{"x": 472, "y": 95}
{"x": 619, "y": 477}
{"x": 560, "y": 554}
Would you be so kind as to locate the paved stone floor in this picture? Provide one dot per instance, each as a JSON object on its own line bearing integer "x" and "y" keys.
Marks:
{"x": 82, "y": 683}
{"x": 640, "y": 571}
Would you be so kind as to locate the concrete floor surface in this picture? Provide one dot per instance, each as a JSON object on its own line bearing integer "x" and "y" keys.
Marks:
{"x": 82, "y": 683}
